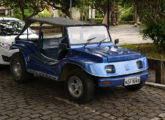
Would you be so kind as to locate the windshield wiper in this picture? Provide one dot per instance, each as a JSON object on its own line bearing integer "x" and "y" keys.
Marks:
{"x": 101, "y": 42}
{"x": 88, "y": 41}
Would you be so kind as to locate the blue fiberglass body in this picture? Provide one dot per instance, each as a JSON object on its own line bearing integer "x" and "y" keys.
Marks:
{"x": 92, "y": 58}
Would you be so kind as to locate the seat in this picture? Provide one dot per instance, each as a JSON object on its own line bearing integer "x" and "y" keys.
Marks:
{"x": 51, "y": 52}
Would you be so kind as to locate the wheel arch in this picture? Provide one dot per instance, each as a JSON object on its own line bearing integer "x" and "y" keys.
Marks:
{"x": 67, "y": 68}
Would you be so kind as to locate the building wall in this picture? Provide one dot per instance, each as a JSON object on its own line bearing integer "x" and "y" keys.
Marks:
{"x": 3, "y": 11}
{"x": 76, "y": 14}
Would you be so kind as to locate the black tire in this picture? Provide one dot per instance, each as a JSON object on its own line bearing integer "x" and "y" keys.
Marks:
{"x": 135, "y": 87}
{"x": 18, "y": 70}
{"x": 88, "y": 88}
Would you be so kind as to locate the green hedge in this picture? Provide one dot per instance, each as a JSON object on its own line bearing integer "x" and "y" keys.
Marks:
{"x": 98, "y": 20}
{"x": 155, "y": 29}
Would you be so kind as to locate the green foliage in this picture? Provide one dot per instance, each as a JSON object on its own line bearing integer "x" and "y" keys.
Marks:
{"x": 98, "y": 20}
{"x": 28, "y": 12}
{"x": 156, "y": 31}
{"x": 26, "y": 8}
{"x": 44, "y": 13}
{"x": 64, "y": 5}
{"x": 99, "y": 15}
{"x": 126, "y": 14}
{"x": 150, "y": 50}
{"x": 154, "y": 21}
{"x": 19, "y": 16}
{"x": 61, "y": 14}
{"x": 152, "y": 14}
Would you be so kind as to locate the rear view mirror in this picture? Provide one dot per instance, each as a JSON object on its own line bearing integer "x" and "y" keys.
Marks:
{"x": 116, "y": 41}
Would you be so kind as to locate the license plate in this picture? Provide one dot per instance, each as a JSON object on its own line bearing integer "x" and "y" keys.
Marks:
{"x": 131, "y": 81}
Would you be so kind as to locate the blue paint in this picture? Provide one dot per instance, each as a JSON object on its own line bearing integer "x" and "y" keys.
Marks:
{"x": 93, "y": 59}
{"x": 117, "y": 81}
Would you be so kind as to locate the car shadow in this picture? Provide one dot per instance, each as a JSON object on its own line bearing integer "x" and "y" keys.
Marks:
{"x": 4, "y": 67}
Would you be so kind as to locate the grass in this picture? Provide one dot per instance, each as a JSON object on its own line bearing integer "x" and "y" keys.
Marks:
{"x": 150, "y": 50}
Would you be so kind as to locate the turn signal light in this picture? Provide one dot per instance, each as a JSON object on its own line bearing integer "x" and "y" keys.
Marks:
{"x": 106, "y": 83}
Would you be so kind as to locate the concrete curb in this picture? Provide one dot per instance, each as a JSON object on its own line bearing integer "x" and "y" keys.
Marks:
{"x": 156, "y": 85}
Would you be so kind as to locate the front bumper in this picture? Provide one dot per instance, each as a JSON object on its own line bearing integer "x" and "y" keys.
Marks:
{"x": 117, "y": 81}
{"x": 5, "y": 55}
{"x": 2, "y": 62}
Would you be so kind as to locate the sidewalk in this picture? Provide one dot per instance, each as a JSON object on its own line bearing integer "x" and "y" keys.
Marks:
{"x": 128, "y": 34}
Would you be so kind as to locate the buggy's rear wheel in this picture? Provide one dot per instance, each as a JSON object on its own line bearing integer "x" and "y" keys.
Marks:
{"x": 17, "y": 67}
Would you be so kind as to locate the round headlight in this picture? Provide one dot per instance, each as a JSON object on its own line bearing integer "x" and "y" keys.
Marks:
{"x": 110, "y": 69}
{"x": 139, "y": 64}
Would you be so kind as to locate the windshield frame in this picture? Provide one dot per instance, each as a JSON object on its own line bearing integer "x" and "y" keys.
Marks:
{"x": 87, "y": 26}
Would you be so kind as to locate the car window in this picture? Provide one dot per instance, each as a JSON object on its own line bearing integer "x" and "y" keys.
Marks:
{"x": 84, "y": 34}
{"x": 10, "y": 27}
{"x": 51, "y": 35}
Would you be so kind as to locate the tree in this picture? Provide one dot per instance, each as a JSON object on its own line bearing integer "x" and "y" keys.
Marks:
{"x": 20, "y": 5}
{"x": 152, "y": 14}
{"x": 154, "y": 21}
{"x": 64, "y": 5}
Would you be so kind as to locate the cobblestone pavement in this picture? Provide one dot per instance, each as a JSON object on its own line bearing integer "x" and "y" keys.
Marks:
{"x": 48, "y": 100}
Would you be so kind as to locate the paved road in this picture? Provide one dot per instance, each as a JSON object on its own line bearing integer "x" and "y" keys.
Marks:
{"x": 128, "y": 34}
{"x": 47, "y": 100}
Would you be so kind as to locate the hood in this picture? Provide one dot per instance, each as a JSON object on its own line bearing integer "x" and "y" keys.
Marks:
{"x": 112, "y": 53}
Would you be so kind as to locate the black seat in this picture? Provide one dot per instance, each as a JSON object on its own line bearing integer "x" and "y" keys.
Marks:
{"x": 51, "y": 52}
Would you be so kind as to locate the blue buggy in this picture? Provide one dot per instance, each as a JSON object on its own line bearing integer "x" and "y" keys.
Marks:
{"x": 83, "y": 56}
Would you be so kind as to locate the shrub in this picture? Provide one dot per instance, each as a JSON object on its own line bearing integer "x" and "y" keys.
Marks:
{"x": 44, "y": 13}
{"x": 154, "y": 21}
{"x": 98, "y": 20}
{"x": 155, "y": 29}
{"x": 19, "y": 16}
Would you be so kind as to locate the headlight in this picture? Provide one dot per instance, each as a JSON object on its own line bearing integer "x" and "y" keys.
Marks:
{"x": 110, "y": 69}
{"x": 139, "y": 64}
{"x": 4, "y": 45}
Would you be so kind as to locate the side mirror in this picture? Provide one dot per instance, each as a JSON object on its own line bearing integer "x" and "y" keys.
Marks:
{"x": 63, "y": 46}
{"x": 116, "y": 41}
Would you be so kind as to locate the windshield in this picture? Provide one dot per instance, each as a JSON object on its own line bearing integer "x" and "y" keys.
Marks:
{"x": 11, "y": 27}
{"x": 88, "y": 34}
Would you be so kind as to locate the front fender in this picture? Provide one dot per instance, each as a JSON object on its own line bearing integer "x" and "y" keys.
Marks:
{"x": 121, "y": 68}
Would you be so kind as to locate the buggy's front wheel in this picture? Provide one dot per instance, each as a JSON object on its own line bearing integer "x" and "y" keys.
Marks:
{"x": 80, "y": 86}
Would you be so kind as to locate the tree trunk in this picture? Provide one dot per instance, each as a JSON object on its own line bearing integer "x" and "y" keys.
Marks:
{"x": 135, "y": 14}
{"x": 117, "y": 12}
